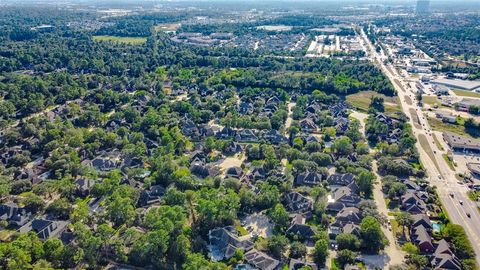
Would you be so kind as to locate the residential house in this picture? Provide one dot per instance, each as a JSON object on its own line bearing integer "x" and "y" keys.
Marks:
{"x": 422, "y": 219}
{"x": 338, "y": 109}
{"x": 190, "y": 129}
{"x": 233, "y": 148}
{"x": 307, "y": 125}
{"x": 246, "y": 135}
{"x": 420, "y": 236}
{"x": 45, "y": 228}
{"x": 198, "y": 156}
{"x": 273, "y": 100}
{"x": 235, "y": 172}
{"x": 104, "y": 163}
{"x": 444, "y": 258}
{"x": 14, "y": 215}
{"x": 348, "y": 215}
{"x": 297, "y": 203}
{"x": 245, "y": 108}
{"x": 411, "y": 185}
{"x": 151, "y": 195}
{"x": 341, "y": 125}
{"x": 261, "y": 260}
{"x": 412, "y": 203}
{"x": 340, "y": 179}
{"x": 313, "y": 108}
{"x": 296, "y": 264}
{"x": 224, "y": 242}
{"x": 346, "y": 196}
{"x": 308, "y": 179}
{"x": 352, "y": 228}
{"x": 299, "y": 228}
{"x": 258, "y": 173}
{"x": 207, "y": 131}
{"x": 83, "y": 186}
{"x": 274, "y": 137}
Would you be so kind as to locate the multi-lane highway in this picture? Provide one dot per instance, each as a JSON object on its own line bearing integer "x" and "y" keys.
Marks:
{"x": 450, "y": 190}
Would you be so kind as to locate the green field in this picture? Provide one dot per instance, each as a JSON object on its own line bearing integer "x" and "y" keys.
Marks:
{"x": 466, "y": 93}
{"x": 426, "y": 147}
{"x": 126, "y": 40}
{"x": 431, "y": 100}
{"x": 438, "y": 125}
{"x": 449, "y": 162}
{"x": 167, "y": 27}
{"x": 361, "y": 101}
{"x": 437, "y": 142}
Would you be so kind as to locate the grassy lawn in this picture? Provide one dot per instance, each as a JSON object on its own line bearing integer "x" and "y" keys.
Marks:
{"x": 361, "y": 101}
{"x": 126, "y": 40}
{"x": 437, "y": 124}
{"x": 395, "y": 229}
{"x": 466, "y": 93}
{"x": 431, "y": 100}
{"x": 473, "y": 195}
{"x": 416, "y": 120}
{"x": 242, "y": 231}
{"x": 335, "y": 264}
{"x": 449, "y": 162}
{"x": 437, "y": 142}
{"x": 408, "y": 100}
{"x": 5, "y": 234}
{"x": 426, "y": 147}
{"x": 167, "y": 27}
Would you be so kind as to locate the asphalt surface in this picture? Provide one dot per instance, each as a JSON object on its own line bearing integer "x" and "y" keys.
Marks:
{"x": 449, "y": 189}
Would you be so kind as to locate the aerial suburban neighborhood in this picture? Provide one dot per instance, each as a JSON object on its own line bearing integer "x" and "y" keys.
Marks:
{"x": 281, "y": 135}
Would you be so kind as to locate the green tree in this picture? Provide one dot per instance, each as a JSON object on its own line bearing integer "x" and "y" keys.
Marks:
{"x": 456, "y": 235}
{"x": 404, "y": 219}
{"x": 347, "y": 241}
{"x": 320, "y": 252}
{"x": 60, "y": 208}
{"x": 279, "y": 216}
{"x": 34, "y": 203}
{"x": 365, "y": 182}
{"x": 120, "y": 210}
{"x": 297, "y": 250}
{"x": 344, "y": 257}
{"x": 373, "y": 239}
{"x": 343, "y": 146}
{"x": 196, "y": 261}
{"x": 277, "y": 244}
{"x": 419, "y": 261}
{"x": 410, "y": 248}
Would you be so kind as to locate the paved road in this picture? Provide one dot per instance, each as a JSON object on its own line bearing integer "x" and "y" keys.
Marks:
{"x": 288, "y": 122}
{"x": 442, "y": 177}
{"x": 395, "y": 254}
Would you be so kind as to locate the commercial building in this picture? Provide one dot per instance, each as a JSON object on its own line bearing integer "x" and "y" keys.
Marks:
{"x": 474, "y": 168}
{"x": 458, "y": 84}
{"x": 466, "y": 103}
{"x": 461, "y": 143}
{"x": 423, "y": 7}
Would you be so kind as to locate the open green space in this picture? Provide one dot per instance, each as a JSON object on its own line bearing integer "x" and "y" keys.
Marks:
{"x": 464, "y": 93}
{"x": 126, "y": 40}
{"x": 361, "y": 101}
{"x": 426, "y": 147}
{"x": 167, "y": 27}
{"x": 449, "y": 162}
{"x": 431, "y": 100}
{"x": 439, "y": 125}
{"x": 415, "y": 119}
{"x": 437, "y": 142}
